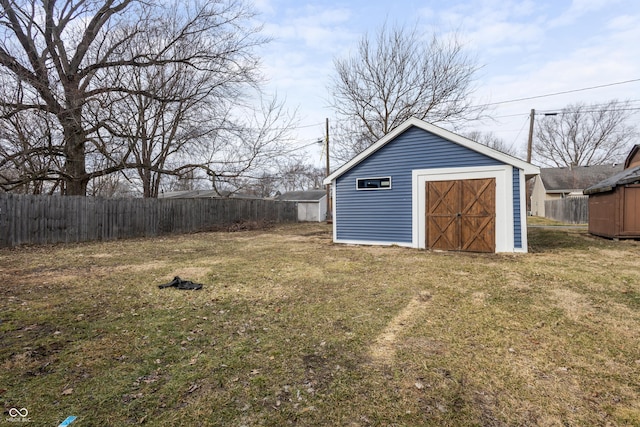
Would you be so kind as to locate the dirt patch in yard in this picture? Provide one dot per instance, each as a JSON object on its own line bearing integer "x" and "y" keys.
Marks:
{"x": 574, "y": 304}
{"x": 384, "y": 347}
{"x": 151, "y": 265}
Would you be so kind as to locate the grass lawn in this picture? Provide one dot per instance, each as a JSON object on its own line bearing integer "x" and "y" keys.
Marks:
{"x": 291, "y": 329}
{"x": 542, "y": 221}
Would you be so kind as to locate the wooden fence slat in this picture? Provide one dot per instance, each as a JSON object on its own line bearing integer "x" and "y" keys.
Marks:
{"x": 42, "y": 219}
{"x": 570, "y": 210}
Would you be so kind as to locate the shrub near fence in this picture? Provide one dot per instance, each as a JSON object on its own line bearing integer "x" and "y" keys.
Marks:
{"x": 571, "y": 210}
{"x": 26, "y": 219}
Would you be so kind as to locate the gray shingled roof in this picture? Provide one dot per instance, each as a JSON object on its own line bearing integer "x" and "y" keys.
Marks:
{"x": 303, "y": 196}
{"x": 576, "y": 177}
{"x": 627, "y": 176}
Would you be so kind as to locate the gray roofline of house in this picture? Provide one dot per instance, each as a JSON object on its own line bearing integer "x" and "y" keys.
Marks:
{"x": 563, "y": 179}
{"x": 307, "y": 196}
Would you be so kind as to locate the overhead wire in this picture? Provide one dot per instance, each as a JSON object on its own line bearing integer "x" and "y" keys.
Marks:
{"x": 527, "y": 114}
{"x": 559, "y": 93}
{"x": 603, "y": 104}
{"x": 566, "y": 111}
{"x": 520, "y": 131}
{"x": 521, "y": 99}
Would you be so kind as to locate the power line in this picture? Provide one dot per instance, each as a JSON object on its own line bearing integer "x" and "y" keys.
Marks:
{"x": 611, "y": 106}
{"x": 559, "y": 93}
{"x": 307, "y": 126}
{"x": 565, "y": 111}
{"x": 520, "y": 131}
{"x": 512, "y": 115}
{"x": 526, "y": 99}
{"x": 542, "y": 112}
{"x": 604, "y": 104}
{"x": 582, "y": 108}
{"x": 302, "y": 147}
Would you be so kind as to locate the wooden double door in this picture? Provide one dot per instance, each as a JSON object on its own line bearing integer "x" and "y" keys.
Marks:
{"x": 461, "y": 215}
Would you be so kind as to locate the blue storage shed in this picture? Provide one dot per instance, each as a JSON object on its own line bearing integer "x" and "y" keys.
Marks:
{"x": 422, "y": 186}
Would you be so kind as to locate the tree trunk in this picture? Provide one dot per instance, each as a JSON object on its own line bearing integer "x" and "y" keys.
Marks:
{"x": 146, "y": 182}
{"x": 76, "y": 178}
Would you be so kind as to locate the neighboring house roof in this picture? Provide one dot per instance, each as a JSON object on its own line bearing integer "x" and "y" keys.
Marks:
{"x": 528, "y": 168}
{"x": 575, "y": 178}
{"x": 627, "y": 176}
{"x": 303, "y": 196}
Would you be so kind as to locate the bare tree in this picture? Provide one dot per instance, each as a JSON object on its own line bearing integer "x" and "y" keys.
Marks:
{"x": 250, "y": 144}
{"x": 492, "y": 141}
{"x": 27, "y": 140}
{"x": 153, "y": 131}
{"x": 348, "y": 139}
{"x": 290, "y": 173}
{"x": 399, "y": 74}
{"x": 585, "y": 135}
{"x": 295, "y": 174}
{"x": 112, "y": 185}
{"x": 69, "y": 59}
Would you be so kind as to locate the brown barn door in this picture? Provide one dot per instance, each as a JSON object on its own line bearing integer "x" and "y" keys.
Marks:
{"x": 460, "y": 215}
{"x": 442, "y": 225}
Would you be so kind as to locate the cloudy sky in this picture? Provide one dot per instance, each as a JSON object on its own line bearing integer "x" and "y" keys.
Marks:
{"x": 527, "y": 49}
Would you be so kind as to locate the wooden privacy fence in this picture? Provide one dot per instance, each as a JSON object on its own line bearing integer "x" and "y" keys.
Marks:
{"x": 26, "y": 219}
{"x": 570, "y": 210}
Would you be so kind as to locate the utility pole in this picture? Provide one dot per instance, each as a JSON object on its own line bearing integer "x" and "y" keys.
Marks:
{"x": 328, "y": 186}
{"x": 530, "y": 143}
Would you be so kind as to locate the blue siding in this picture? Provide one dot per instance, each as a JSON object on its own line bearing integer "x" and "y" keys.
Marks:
{"x": 386, "y": 215}
{"x": 517, "y": 223}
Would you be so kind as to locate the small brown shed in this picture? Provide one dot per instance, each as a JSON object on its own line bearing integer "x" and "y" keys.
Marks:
{"x": 614, "y": 203}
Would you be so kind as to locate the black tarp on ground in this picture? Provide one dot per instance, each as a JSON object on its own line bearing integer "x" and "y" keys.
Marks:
{"x": 181, "y": 284}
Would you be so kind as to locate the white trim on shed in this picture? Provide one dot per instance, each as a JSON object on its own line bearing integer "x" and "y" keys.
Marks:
{"x": 529, "y": 169}
{"x": 504, "y": 209}
{"x": 510, "y": 224}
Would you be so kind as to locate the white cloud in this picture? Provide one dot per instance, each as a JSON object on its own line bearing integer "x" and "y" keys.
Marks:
{"x": 495, "y": 27}
{"x": 579, "y": 8}
{"x": 529, "y": 48}
{"x": 264, "y": 6}
{"x": 300, "y": 58}
{"x": 504, "y": 36}
{"x": 315, "y": 27}
{"x": 598, "y": 62}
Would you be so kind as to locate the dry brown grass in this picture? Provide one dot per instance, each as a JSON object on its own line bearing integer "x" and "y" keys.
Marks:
{"x": 291, "y": 329}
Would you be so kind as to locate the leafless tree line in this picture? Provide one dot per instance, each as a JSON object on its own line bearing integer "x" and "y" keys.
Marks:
{"x": 399, "y": 72}
{"x": 582, "y": 134}
{"x": 98, "y": 93}
{"x": 395, "y": 74}
{"x": 97, "y": 96}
